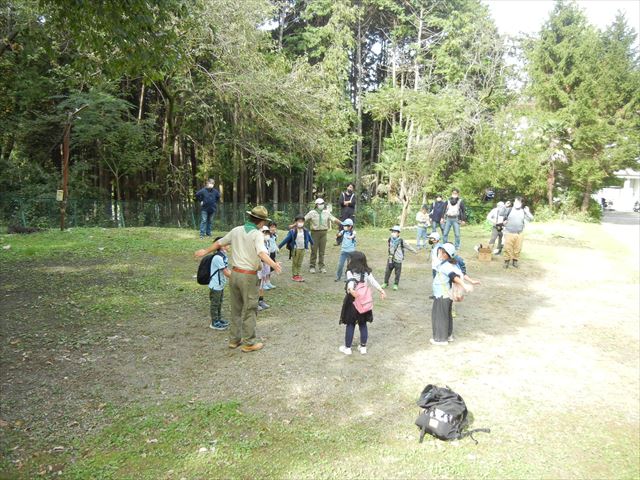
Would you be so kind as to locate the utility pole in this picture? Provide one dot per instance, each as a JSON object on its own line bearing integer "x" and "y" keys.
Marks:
{"x": 66, "y": 140}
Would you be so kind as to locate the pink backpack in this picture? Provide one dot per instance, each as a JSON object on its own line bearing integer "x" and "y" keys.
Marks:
{"x": 364, "y": 299}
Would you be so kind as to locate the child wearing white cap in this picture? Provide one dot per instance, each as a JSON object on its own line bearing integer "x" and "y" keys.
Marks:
{"x": 395, "y": 251}
{"x": 447, "y": 274}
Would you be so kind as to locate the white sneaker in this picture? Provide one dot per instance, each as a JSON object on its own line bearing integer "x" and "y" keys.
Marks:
{"x": 363, "y": 350}
{"x": 312, "y": 270}
{"x": 433, "y": 342}
{"x": 345, "y": 350}
{"x": 496, "y": 251}
{"x": 450, "y": 339}
{"x": 323, "y": 270}
{"x": 477, "y": 248}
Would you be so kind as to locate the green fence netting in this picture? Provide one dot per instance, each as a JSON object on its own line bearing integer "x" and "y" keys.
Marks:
{"x": 44, "y": 212}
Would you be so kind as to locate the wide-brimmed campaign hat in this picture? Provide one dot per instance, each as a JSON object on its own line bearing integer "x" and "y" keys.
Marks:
{"x": 260, "y": 212}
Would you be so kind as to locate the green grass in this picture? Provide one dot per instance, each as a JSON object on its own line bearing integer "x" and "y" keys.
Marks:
{"x": 72, "y": 283}
{"x": 164, "y": 441}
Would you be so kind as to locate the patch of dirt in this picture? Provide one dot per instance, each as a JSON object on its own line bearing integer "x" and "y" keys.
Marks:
{"x": 567, "y": 326}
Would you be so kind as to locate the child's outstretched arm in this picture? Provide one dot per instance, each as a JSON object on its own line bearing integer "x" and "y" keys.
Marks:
{"x": 374, "y": 283}
{"x": 460, "y": 281}
{"x": 471, "y": 280}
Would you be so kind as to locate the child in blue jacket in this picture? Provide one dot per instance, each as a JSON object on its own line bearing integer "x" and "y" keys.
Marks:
{"x": 297, "y": 241}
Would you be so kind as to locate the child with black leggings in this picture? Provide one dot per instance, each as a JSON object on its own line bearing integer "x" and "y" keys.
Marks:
{"x": 357, "y": 272}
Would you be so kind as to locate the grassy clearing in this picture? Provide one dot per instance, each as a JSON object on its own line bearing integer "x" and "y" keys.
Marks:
{"x": 105, "y": 354}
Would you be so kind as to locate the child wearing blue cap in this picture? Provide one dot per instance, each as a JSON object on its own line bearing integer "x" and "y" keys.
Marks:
{"x": 348, "y": 245}
{"x": 395, "y": 250}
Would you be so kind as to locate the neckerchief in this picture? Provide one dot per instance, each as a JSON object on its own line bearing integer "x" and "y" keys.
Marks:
{"x": 320, "y": 214}
{"x": 248, "y": 226}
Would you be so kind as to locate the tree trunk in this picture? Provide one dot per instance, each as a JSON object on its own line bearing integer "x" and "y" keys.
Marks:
{"x": 275, "y": 193}
{"x": 359, "y": 74}
{"x": 586, "y": 196}
{"x": 551, "y": 180}
{"x": 405, "y": 198}
{"x": 141, "y": 102}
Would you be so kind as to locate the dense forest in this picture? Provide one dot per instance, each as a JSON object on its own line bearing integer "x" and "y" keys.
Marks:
{"x": 281, "y": 100}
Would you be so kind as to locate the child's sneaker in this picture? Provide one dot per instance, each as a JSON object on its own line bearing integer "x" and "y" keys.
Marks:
{"x": 363, "y": 349}
{"x": 384, "y": 285}
{"x": 312, "y": 270}
{"x": 218, "y": 325}
{"x": 271, "y": 286}
{"x": 263, "y": 305}
{"x": 395, "y": 286}
{"x": 345, "y": 350}
{"x": 323, "y": 270}
{"x": 435, "y": 342}
{"x": 450, "y": 339}
{"x": 266, "y": 287}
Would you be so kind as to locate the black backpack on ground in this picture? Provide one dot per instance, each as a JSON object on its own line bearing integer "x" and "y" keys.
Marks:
{"x": 204, "y": 275}
{"x": 444, "y": 415}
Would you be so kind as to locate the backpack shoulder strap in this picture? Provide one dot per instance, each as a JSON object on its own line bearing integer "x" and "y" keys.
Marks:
{"x": 469, "y": 433}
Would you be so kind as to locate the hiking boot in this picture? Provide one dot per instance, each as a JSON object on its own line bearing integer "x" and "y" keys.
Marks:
{"x": 312, "y": 270}
{"x": 363, "y": 349}
{"x": 506, "y": 264}
{"x": 395, "y": 286}
{"x": 252, "y": 348}
{"x": 384, "y": 285}
{"x": 234, "y": 344}
{"x": 435, "y": 342}
{"x": 515, "y": 263}
{"x": 263, "y": 304}
{"x": 345, "y": 350}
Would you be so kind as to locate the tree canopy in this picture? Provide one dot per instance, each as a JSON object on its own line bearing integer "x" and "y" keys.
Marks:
{"x": 284, "y": 99}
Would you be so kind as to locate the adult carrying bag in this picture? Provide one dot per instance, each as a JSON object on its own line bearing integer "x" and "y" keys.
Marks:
{"x": 444, "y": 414}
{"x": 364, "y": 299}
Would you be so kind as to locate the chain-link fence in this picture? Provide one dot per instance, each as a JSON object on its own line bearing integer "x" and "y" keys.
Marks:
{"x": 44, "y": 212}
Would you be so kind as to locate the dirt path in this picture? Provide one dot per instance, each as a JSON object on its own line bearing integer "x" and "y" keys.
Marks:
{"x": 562, "y": 331}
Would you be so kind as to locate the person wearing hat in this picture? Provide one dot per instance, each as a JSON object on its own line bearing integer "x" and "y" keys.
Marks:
{"x": 348, "y": 245}
{"x": 297, "y": 241}
{"x": 448, "y": 274}
{"x": 247, "y": 242}
{"x": 319, "y": 221}
{"x": 395, "y": 251}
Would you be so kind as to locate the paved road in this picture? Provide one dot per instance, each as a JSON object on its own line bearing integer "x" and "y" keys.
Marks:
{"x": 625, "y": 227}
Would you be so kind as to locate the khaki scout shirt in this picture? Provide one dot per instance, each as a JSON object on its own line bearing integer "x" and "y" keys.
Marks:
{"x": 245, "y": 247}
{"x": 314, "y": 218}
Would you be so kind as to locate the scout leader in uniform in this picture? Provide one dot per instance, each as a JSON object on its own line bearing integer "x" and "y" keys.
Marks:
{"x": 247, "y": 249}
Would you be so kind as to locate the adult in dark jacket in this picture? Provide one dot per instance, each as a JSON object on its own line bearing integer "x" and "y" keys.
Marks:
{"x": 208, "y": 198}
{"x": 436, "y": 213}
{"x": 347, "y": 202}
{"x": 454, "y": 216}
